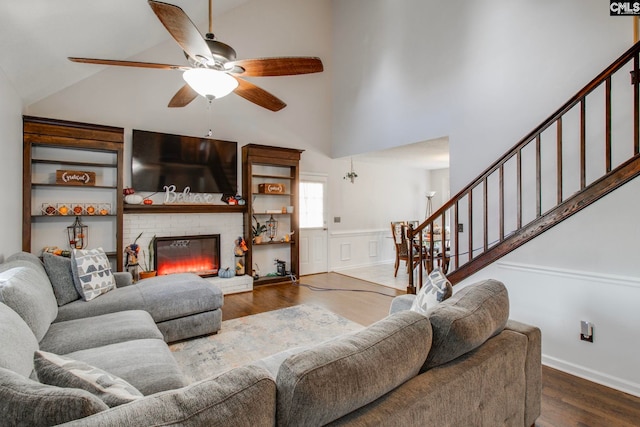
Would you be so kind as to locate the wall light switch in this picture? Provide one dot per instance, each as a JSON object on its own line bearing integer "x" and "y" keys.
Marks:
{"x": 336, "y": 219}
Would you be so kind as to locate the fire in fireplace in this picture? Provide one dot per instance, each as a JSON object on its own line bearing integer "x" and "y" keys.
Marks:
{"x": 188, "y": 254}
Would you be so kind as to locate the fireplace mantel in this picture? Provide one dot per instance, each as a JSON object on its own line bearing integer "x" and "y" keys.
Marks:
{"x": 160, "y": 209}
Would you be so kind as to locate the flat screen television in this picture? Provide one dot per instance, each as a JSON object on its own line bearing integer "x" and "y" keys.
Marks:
{"x": 204, "y": 165}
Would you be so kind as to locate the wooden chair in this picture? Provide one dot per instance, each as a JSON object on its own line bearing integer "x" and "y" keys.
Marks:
{"x": 399, "y": 233}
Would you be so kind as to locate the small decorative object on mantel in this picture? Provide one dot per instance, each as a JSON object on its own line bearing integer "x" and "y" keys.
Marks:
{"x": 271, "y": 188}
{"x": 352, "y": 175}
{"x": 67, "y": 177}
{"x": 78, "y": 234}
{"x": 186, "y": 197}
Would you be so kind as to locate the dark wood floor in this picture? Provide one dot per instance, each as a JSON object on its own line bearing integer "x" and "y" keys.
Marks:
{"x": 566, "y": 400}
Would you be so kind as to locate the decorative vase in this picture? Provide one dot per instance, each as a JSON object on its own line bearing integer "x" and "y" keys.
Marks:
{"x": 257, "y": 239}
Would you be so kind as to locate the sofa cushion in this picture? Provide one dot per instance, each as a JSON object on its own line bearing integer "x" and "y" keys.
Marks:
{"x": 17, "y": 342}
{"x": 28, "y": 293}
{"x": 27, "y": 259}
{"x": 466, "y": 320}
{"x": 65, "y": 372}
{"x": 244, "y": 396}
{"x": 146, "y": 364}
{"x": 436, "y": 289}
{"x": 127, "y": 298}
{"x": 29, "y": 403}
{"x": 59, "y": 271}
{"x": 177, "y": 295}
{"x": 165, "y": 297}
{"x": 92, "y": 274}
{"x": 330, "y": 380}
{"x": 97, "y": 331}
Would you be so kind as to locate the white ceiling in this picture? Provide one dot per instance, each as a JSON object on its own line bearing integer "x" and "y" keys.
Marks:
{"x": 37, "y": 36}
{"x": 432, "y": 154}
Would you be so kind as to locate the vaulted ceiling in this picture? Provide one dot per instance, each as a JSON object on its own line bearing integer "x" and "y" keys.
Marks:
{"x": 37, "y": 36}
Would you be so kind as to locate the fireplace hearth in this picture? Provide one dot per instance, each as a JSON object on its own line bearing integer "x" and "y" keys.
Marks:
{"x": 188, "y": 254}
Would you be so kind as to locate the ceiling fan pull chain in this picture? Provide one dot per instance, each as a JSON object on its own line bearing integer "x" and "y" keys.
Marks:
{"x": 210, "y": 113}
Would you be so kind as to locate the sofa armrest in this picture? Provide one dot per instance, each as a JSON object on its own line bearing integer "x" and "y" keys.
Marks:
{"x": 243, "y": 396}
{"x": 123, "y": 278}
{"x": 401, "y": 303}
{"x": 533, "y": 369}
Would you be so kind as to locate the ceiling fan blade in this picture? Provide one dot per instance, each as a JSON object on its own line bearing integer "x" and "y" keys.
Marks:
{"x": 282, "y": 66}
{"x": 258, "y": 96}
{"x": 183, "y": 30}
{"x": 183, "y": 97}
{"x": 128, "y": 63}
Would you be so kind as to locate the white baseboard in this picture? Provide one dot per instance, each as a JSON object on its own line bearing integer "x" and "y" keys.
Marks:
{"x": 593, "y": 376}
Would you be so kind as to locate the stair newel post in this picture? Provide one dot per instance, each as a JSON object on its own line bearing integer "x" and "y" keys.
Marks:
{"x": 411, "y": 289}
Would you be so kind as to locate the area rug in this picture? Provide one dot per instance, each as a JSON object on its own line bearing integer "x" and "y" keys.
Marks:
{"x": 244, "y": 340}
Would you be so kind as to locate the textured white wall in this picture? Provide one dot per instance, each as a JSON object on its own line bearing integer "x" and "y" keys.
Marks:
{"x": 10, "y": 169}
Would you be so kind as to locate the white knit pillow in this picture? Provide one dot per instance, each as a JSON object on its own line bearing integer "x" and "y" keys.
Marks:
{"x": 436, "y": 289}
{"x": 92, "y": 274}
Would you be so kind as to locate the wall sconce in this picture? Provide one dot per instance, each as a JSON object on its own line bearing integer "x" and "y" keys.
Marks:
{"x": 352, "y": 175}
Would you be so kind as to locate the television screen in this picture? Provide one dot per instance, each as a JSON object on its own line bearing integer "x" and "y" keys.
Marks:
{"x": 202, "y": 164}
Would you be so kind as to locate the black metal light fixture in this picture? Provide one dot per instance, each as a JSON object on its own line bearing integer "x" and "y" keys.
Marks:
{"x": 272, "y": 228}
{"x": 78, "y": 234}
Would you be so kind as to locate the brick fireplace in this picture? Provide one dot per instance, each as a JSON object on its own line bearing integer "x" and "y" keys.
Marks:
{"x": 228, "y": 226}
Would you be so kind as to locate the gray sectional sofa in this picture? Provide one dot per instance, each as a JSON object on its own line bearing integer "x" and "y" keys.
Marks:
{"x": 465, "y": 364}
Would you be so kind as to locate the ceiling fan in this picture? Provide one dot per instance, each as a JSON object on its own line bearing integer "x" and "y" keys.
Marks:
{"x": 213, "y": 70}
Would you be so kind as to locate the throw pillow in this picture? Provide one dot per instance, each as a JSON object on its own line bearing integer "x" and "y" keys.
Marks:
{"x": 59, "y": 272}
{"x": 64, "y": 372}
{"x": 436, "y": 289}
{"x": 29, "y": 403}
{"x": 92, "y": 274}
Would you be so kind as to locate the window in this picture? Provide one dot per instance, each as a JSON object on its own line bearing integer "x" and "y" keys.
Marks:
{"x": 311, "y": 204}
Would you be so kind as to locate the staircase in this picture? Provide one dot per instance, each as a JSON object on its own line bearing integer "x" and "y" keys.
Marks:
{"x": 586, "y": 149}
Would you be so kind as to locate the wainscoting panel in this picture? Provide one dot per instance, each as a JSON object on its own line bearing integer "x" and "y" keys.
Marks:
{"x": 360, "y": 248}
{"x": 556, "y": 299}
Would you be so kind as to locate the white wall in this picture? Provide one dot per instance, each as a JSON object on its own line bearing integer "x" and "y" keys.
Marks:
{"x": 10, "y": 169}
{"x": 485, "y": 73}
{"x": 585, "y": 268}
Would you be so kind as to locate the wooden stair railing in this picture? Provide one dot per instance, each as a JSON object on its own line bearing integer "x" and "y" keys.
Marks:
{"x": 589, "y": 147}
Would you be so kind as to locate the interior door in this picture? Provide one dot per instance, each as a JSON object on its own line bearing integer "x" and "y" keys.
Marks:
{"x": 313, "y": 224}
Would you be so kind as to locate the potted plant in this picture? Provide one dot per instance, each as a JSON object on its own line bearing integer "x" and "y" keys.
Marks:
{"x": 147, "y": 261}
{"x": 258, "y": 229}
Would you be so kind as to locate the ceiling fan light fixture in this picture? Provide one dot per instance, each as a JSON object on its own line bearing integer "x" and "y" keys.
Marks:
{"x": 210, "y": 83}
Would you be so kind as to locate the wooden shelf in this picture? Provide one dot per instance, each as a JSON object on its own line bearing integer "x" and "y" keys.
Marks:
{"x": 70, "y": 163}
{"x": 275, "y": 242}
{"x": 75, "y": 187}
{"x": 271, "y": 176}
{"x": 162, "y": 209}
{"x": 269, "y": 280}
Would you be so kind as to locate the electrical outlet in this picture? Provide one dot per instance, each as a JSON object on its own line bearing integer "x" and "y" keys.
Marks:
{"x": 336, "y": 219}
{"x": 586, "y": 331}
{"x": 460, "y": 228}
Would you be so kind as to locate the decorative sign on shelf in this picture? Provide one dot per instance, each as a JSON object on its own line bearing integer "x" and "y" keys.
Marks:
{"x": 186, "y": 197}
{"x": 271, "y": 188}
{"x": 67, "y": 177}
